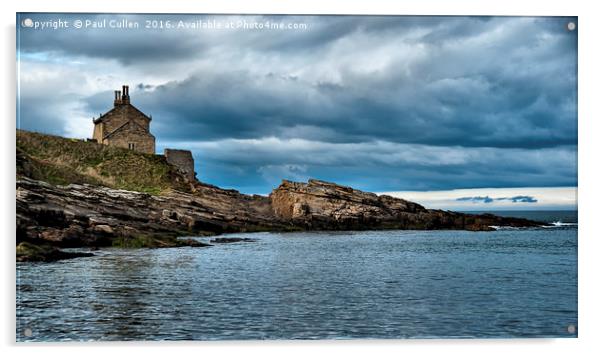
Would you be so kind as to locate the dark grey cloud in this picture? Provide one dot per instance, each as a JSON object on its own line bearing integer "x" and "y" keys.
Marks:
{"x": 152, "y": 44}
{"x": 487, "y": 199}
{"x": 383, "y": 102}
{"x": 378, "y": 166}
{"x": 514, "y": 91}
{"x": 527, "y": 199}
{"x": 484, "y": 199}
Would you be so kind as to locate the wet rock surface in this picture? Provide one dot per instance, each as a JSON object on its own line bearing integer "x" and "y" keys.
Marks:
{"x": 45, "y": 253}
{"x": 232, "y": 240}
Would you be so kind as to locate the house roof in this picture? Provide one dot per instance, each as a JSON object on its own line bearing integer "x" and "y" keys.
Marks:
{"x": 122, "y": 127}
{"x": 120, "y": 107}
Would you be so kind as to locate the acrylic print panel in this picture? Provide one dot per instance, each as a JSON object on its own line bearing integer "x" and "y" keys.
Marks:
{"x": 230, "y": 177}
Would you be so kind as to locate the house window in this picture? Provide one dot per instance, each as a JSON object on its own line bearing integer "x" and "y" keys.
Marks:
{"x": 131, "y": 146}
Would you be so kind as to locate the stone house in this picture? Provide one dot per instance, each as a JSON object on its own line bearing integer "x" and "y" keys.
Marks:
{"x": 124, "y": 126}
{"x": 127, "y": 127}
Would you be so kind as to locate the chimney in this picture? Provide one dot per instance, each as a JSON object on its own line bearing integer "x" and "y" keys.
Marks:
{"x": 125, "y": 98}
{"x": 117, "y": 98}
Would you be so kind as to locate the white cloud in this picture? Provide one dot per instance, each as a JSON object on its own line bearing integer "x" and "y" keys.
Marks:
{"x": 552, "y": 198}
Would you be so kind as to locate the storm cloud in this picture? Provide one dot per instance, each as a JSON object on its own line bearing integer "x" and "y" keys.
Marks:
{"x": 377, "y": 102}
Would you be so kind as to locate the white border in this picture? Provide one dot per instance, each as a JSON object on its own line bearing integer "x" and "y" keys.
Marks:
{"x": 589, "y": 170}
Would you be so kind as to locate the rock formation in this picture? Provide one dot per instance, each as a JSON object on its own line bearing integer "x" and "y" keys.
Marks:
{"x": 84, "y": 215}
{"x": 72, "y": 193}
{"x": 30, "y": 252}
{"x": 319, "y": 205}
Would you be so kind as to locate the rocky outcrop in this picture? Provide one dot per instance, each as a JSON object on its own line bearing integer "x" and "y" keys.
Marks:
{"x": 320, "y": 205}
{"x": 30, "y": 252}
{"x": 79, "y": 215}
{"x": 85, "y": 215}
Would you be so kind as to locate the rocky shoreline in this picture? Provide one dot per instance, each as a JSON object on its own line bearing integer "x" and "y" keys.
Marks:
{"x": 320, "y": 205}
{"x": 82, "y": 215}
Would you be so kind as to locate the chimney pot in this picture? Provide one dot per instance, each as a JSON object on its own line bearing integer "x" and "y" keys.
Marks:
{"x": 125, "y": 97}
{"x": 117, "y": 97}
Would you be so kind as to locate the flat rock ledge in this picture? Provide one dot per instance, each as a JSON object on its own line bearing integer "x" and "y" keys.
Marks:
{"x": 45, "y": 253}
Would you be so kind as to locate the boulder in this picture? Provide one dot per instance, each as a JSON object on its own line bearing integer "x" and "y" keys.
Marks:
{"x": 103, "y": 229}
{"x": 30, "y": 252}
{"x": 232, "y": 240}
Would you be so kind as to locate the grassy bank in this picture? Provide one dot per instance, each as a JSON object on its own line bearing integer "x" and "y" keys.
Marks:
{"x": 61, "y": 161}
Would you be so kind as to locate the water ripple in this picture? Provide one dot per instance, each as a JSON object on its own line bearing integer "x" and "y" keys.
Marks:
{"x": 393, "y": 284}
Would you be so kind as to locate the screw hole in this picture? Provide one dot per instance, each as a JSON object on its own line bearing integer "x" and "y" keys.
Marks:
{"x": 571, "y": 26}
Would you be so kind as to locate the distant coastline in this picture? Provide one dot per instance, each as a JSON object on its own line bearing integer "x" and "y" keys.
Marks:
{"x": 549, "y": 216}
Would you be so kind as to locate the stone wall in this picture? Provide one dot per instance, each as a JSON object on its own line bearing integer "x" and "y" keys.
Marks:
{"x": 98, "y": 134}
{"x": 183, "y": 160}
{"x": 112, "y": 127}
{"x": 143, "y": 141}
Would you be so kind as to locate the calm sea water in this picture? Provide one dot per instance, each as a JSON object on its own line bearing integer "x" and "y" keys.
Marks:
{"x": 392, "y": 284}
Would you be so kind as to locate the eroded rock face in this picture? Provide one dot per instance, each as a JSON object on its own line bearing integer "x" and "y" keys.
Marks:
{"x": 84, "y": 215}
{"x": 327, "y": 206}
{"x": 323, "y": 205}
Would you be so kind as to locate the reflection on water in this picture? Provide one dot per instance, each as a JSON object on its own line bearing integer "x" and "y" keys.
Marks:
{"x": 394, "y": 284}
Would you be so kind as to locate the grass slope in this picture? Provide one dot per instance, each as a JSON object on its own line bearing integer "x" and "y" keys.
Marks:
{"x": 61, "y": 161}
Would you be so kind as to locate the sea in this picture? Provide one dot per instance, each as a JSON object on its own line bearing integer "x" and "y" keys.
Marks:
{"x": 508, "y": 283}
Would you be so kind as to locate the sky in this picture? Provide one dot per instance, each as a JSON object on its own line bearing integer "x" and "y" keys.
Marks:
{"x": 455, "y": 112}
